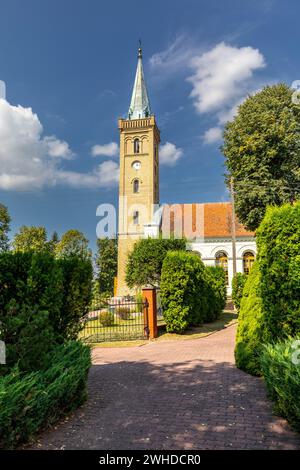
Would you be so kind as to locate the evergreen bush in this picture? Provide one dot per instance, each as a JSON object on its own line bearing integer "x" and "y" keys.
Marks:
{"x": 41, "y": 303}
{"x": 251, "y": 332}
{"x": 183, "y": 274}
{"x": 77, "y": 294}
{"x": 216, "y": 294}
{"x": 190, "y": 292}
{"x": 106, "y": 318}
{"x": 124, "y": 312}
{"x": 238, "y": 283}
{"x": 281, "y": 370}
{"x": 32, "y": 401}
{"x": 278, "y": 241}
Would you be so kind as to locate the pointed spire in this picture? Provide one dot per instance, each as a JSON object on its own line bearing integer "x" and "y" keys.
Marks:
{"x": 139, "y": 105}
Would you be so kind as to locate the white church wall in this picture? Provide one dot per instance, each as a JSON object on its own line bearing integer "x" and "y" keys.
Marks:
{"x": 209, "y": 250}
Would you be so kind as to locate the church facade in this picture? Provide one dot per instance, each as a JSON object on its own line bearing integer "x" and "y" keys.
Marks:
{"x": 208, "y": 228}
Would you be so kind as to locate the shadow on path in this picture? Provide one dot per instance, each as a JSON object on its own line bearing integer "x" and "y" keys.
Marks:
{"x": 184, "y": 405}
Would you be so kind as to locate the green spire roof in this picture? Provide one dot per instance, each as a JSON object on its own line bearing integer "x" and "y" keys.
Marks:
{"x": 139, "y": 105}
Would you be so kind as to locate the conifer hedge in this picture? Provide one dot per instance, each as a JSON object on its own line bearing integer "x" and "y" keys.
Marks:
{"x": 270, "y": 308}
{"x": 238, "y": 283}
{"x": 41, "y": 303}
{"x": 278, "y": 242}
{"x": 250, "y": 333}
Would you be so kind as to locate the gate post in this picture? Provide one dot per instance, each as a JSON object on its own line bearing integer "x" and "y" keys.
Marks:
{"x": 149, "y": 294}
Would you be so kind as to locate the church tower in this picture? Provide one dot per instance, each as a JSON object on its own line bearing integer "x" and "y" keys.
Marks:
{"x": 139, "y": 172}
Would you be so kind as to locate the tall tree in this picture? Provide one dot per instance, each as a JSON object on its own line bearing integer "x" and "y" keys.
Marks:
{"x": 4, "y": 228}
{"x": 262, "y": 151}
{"x": 73, "y": 243}
{"x": 145, "y": 261}
{"x": 107, "y": 263}
{"x": 31, "y": 238}
{"x": 54, "y": 240}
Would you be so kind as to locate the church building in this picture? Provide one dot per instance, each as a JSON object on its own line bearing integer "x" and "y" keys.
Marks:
{"x": 209, "y": 228}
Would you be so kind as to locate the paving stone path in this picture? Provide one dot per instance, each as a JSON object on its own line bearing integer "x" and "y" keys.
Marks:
{"x": 184, "y": 394}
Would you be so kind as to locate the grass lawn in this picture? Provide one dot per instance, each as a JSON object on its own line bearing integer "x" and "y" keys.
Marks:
{"x": 227, "y": 318}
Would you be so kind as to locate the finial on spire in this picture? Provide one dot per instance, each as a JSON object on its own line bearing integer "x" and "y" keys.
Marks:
{"x": 140, "y": 49}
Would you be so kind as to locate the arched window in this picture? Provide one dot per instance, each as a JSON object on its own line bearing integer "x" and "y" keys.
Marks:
{"x": 248, "y": 260}
{"x": 135, "y": 217}
{"x": 136, "y": 145}
{"x": 222, "y": 261}
{"x": 136, "y": 186}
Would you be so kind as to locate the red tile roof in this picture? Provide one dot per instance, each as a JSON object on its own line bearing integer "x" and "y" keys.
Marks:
{"x": 208, "y": 220}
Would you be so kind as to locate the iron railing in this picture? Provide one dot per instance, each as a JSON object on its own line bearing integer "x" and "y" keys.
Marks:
{"x": 120, "y": 320}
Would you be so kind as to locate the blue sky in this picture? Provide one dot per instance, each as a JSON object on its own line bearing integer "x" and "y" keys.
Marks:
{"x": 73, "y": 63}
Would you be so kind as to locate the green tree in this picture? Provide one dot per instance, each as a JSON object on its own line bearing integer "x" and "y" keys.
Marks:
{"x": 107, "y": 263}
{"x": 54, "y": 240}
{"x": 262, "y": 151}
{"x": 73, "y": 243}
{"x": 145, "y": 262}
{"x": 31, "y": 239}
{"x": 4, "y": 228}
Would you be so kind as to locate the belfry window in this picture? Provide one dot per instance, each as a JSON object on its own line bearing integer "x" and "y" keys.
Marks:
{"x": 222, "y": 261}
{"x": 135, "y": 217}
{"x": 136, "y": 186}
{"x": 136, "y": 145}
{"x": 248, "y": 260}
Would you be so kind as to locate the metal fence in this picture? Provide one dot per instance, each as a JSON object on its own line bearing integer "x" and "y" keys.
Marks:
{"x": 120, "y": 320}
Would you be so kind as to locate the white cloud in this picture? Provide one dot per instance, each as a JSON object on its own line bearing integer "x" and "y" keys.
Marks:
{"x": 169, "y": 154}
{"x": 212, "y": 135}
{"x": 29, "y": 160}
{"x": 57, "y": 148}
{"x": 221, "y": 76}
{"x": 107, "y": 150}
{"x": 105, "y": 175}
{"x": 174, "y": 58}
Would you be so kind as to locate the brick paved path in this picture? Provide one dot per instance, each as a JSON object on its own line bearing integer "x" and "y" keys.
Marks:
{"x": 172, "y": 395}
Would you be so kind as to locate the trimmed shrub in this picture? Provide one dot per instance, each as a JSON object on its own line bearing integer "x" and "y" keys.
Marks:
{"x": 77, "y": 295}
{"x": 41, "y": 303}
{"x": 216, "y": 292}
{"x": 31, "y": 402}
{"x": 282, "y": 377}
{"x": 251, "y": 332}
{"x": 278, "y": 241}
{"x": 29, "y": 337}
{"x": 183, "y": 290}
{"x": 106, "y": 318}
{"x": 124, "y": 312}
{"x": 238, "y": 283}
